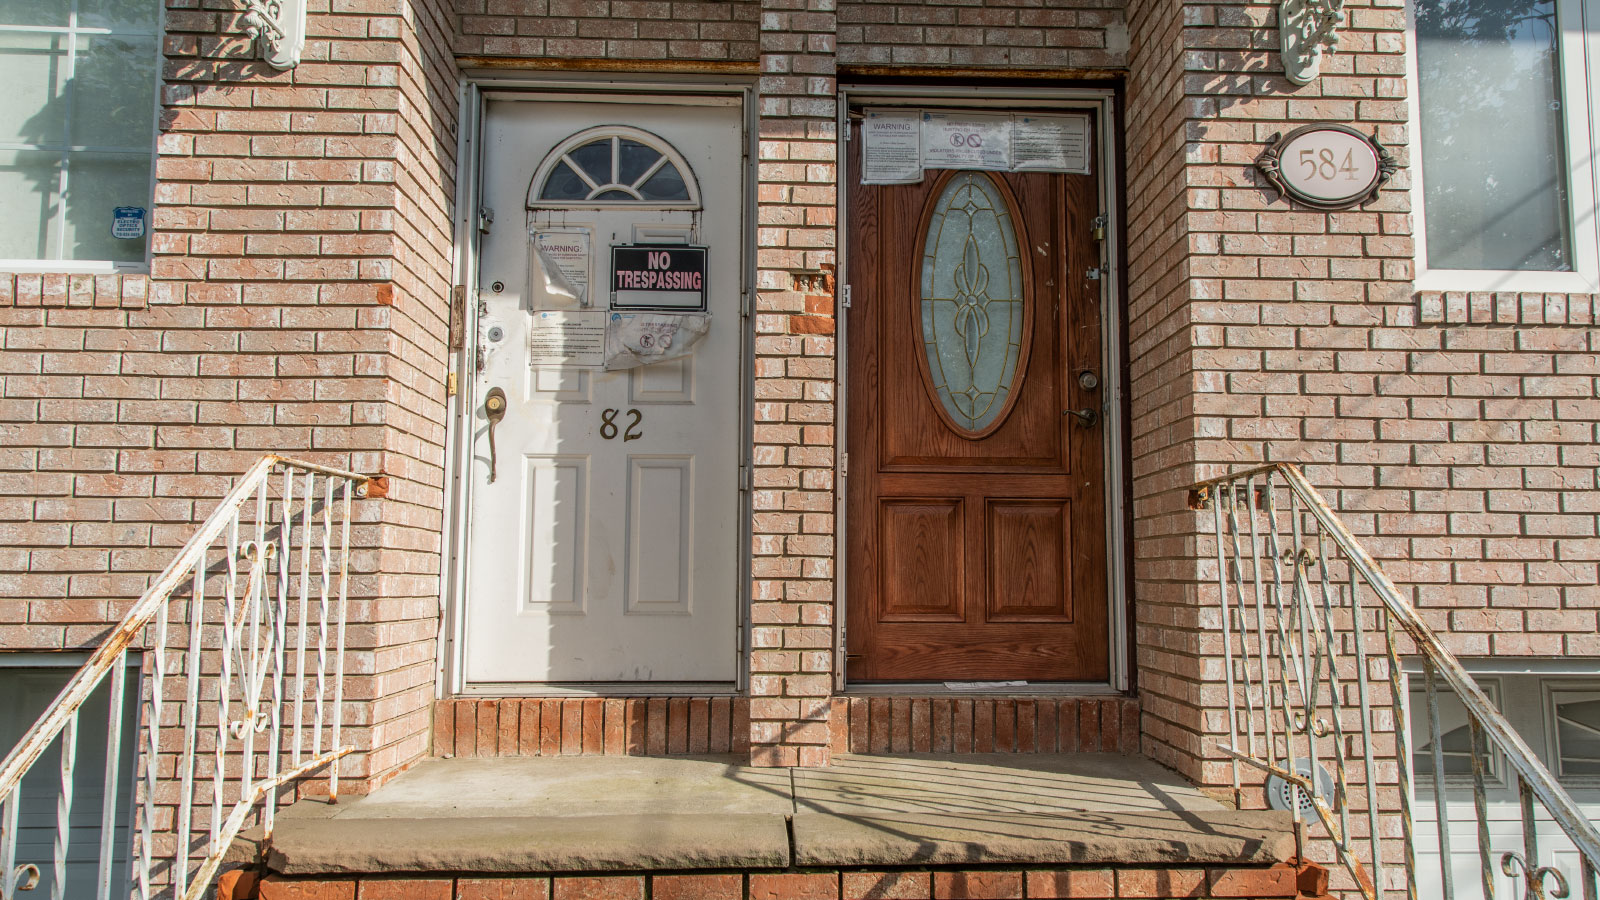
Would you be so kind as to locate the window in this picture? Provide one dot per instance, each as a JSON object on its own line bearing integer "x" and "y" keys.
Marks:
{"x": 28, "y": 683}
{"x": 1455, "y": 743}
{"x": 613, "y": 165}
{"x": 77, "y": 128}
{"x": 1505, "y": 191}
{"x": 974, "y": 315}
{"x": 1574, "y": 716}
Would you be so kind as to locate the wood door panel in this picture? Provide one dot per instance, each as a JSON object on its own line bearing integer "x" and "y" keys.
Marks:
{"x": 1030, "y": 560}
{"x": 975, "y": 555}
{"x": 1017, "y": 652}
{"x": 921, "y": 574}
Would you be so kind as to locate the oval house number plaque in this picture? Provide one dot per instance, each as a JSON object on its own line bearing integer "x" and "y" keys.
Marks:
{"x": 1327, "y": 166}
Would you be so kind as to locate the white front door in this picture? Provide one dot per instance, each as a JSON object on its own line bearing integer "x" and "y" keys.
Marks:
{"x": 606, "y": 548}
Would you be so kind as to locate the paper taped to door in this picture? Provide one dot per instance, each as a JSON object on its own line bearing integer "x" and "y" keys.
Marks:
{"x": 641, "y": 339}
{"x": 560, "y": 269}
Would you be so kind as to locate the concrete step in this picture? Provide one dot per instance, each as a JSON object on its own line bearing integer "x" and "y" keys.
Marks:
{"x": 630, "y": 814}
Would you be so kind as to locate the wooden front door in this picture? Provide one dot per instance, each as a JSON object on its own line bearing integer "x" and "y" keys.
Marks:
{"x": 975, "y": 475}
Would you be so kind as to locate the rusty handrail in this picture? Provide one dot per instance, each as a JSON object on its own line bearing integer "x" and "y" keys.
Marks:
{"x": 259, "y": 619}
{"x": 1516, "y": 751}
{"x": 1290, "y": 664}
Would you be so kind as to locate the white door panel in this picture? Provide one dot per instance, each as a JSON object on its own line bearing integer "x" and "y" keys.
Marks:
{"x": 1523, "y": 700}
{"x": 606, "y": 549}
{"x": 1505, "y": 836}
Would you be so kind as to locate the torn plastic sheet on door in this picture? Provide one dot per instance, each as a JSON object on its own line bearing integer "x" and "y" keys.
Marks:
{"x": 642, "y": 339}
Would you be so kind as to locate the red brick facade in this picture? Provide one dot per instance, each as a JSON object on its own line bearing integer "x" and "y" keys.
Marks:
{"x": 299, "y": 302}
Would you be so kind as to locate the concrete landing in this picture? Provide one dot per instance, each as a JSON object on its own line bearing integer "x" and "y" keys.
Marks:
{"x": 571, "y": 814}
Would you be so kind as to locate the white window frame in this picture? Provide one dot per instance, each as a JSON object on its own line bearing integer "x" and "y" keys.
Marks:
{"x": 1550, "y": 687}
{"x": 1578, "y": 94}
{"x": 669, "y": 155}
{"x": 1417, "y": 716}
{"x": 72, "y": 30}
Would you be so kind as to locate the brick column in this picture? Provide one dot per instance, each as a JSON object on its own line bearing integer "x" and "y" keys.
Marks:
{"x": 792, "y": 639}
{"x": 1260, "y": 331}
{"x": 300, "y": 278}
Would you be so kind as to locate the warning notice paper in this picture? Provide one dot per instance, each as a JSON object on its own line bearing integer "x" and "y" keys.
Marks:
{"x": 562, "y": 264}
{"x": 1050, "y": 144}
{"x": 966, "y": 141}
{"x": 891, "y": 146}
{"x": 567, "y": 338}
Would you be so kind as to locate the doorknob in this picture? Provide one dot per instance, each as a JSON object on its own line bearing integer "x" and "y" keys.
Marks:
{"x": 1086, "y": 416}
{"x": 494, "y": 409}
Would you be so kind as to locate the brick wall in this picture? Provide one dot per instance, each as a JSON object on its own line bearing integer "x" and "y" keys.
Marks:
{"x": 298, "y": 302}
{"x": 1454, "y": 433}
{"x": 1165, "y": 618}
{"x": 405, "y": 610}
{"x": 300, "y": 267}
{"x": 1065, "y": 39}
{"x": 608, "y": 31}
{"x": 792, "y": 639}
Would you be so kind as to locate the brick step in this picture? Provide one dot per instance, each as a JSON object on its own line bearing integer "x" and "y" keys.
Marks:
{"x": 1107, "y": 723}
{"x": 1306, "y": 881}
{"x": 591, "y": 726}
{"x": 694, "y": 726}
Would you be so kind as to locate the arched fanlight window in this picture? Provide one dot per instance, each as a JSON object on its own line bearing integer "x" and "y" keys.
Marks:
{"x": 614, "y": 165}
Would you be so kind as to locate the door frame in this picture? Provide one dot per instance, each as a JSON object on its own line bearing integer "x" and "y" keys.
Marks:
{"x": 1102, "y": 103}
{"x": 477, "y": 88}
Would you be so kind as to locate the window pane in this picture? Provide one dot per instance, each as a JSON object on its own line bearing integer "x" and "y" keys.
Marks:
{"x": 34, "y": 12}
{"x": 33, "y": 68}
{"x": 1578, "y": 732}
{"x": 122, "y": 15}
{"x": 1495, "y": 188}
{"x": 636, "y": 159}
{"x": 98, "y": 183}
{"x": 111, "y": 101}
{"x": 666, "y": 185}
{"x": 1456, "y": 744}
{"x": 972, "y": 301}
{"x": 595, "y": 160}
{"x": 564, "y": 184}
{"x": 28, "y": 182}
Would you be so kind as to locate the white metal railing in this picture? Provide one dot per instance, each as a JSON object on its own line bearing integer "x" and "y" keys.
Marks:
{"x": 232, "y": 708}
{"x": 1311, "y": 632}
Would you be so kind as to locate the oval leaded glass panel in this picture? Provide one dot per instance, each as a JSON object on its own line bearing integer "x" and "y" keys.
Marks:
{"x": 973, "y": 313}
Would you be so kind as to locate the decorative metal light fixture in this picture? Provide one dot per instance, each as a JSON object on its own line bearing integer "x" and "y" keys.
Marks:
{"x": 1308, "y": 29}
{"x": 278, "y": 28}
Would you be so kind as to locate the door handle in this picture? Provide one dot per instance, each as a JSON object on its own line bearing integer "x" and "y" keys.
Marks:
{"x": 1087, "y": 417}
{"x": 494, "y": 409}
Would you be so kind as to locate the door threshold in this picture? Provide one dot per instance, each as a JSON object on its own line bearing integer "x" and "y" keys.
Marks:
{"x": 602, "y": 689}
{"x": 944, "y": 689}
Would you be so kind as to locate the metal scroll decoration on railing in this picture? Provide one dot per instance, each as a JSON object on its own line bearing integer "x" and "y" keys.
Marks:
{"x": 1305, "y": 615}
{"x": 278, "y": 29}
{"x": 235, "y": 666}
{"x": 1308, "y": 29}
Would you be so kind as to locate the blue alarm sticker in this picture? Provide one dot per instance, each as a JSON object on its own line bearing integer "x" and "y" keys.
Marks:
{"x": 127, "y": 222}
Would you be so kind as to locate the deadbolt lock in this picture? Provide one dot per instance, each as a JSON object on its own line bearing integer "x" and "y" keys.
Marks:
{"x": 1088, "y": 380}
